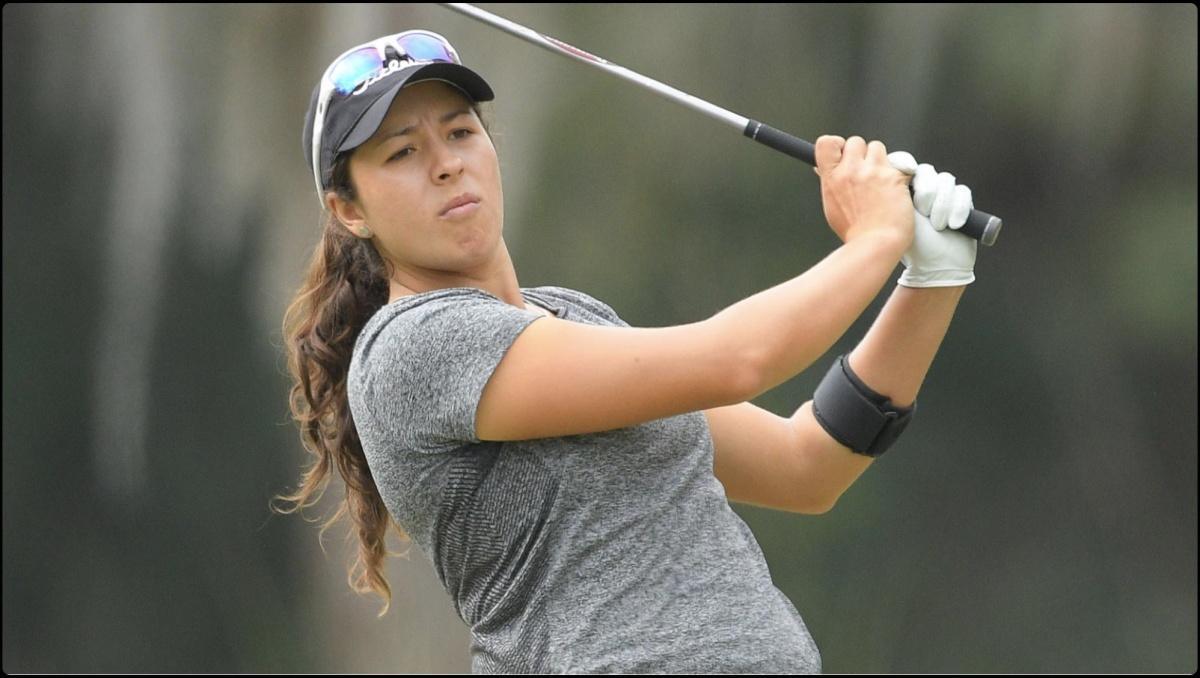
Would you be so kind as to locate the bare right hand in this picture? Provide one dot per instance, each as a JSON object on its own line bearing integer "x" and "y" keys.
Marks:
{"x": 861, "y": 192}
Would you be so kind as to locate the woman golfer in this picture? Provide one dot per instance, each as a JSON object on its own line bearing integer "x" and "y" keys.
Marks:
{"x": 569, "y": 476}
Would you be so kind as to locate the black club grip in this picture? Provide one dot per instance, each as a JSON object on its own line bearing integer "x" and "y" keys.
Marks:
{"x": 980, "y": 225}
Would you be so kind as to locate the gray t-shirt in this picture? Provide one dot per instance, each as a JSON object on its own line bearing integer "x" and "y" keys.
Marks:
{"x": 611, "y": 552}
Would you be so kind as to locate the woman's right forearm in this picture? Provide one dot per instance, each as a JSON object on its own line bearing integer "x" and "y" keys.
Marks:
{"x": 782, "y": 330}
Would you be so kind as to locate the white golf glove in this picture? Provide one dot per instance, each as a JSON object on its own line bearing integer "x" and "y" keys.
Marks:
{"x": 936, "y": 258}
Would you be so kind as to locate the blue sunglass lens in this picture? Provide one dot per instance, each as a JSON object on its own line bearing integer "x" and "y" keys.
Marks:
{"x": 354, "y": 69}
{"x": 425, "y": 48}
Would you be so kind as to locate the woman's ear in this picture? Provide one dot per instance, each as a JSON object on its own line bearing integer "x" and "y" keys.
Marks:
{"x": 348, "y": 214}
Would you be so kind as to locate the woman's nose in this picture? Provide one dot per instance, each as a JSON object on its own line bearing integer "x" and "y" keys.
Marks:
{"x": 449, "y": 162}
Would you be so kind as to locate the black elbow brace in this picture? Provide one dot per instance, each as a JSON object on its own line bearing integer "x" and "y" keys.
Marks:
{"x": 854, "y": 415}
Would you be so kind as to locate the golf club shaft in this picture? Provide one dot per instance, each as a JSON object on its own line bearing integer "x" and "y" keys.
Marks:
{"x": 980, "y": 225}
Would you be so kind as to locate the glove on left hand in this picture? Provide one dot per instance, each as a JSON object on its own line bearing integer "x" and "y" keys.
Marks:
{"x": 936, "y": 258}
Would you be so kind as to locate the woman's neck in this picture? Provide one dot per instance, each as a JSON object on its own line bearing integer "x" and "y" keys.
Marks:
{"x": 497, "y": 277}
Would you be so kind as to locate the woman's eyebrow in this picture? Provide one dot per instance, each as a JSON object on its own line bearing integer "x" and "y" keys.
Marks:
{"x": 445, "y": 119}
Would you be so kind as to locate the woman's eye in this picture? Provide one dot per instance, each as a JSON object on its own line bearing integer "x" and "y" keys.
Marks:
{"x": 402, "y": 153}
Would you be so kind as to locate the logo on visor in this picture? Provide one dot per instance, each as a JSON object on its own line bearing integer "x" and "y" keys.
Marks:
{"x": 392, "y": 67}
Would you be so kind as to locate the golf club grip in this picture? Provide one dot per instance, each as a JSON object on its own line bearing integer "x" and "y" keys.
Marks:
{"x": 980, "y": 225}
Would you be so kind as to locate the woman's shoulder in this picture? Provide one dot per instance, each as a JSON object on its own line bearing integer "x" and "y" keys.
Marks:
{"x": 431, "y": 302}
{"x": 433, "y": 298}
{"x": 417, "y": 317}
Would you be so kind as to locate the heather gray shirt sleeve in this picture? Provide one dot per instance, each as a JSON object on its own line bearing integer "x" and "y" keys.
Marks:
{"x": 612, "y": 552}
{"x": 434, "y": 358}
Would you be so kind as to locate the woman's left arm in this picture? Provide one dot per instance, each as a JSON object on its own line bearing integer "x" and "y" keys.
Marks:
{"x": 795, "y": 465}
{"x": 892, "y": 359}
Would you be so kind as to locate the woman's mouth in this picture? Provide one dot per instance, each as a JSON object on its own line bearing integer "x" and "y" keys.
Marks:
{"x": 461, "y": 211}
{"x": 457, "y": 206}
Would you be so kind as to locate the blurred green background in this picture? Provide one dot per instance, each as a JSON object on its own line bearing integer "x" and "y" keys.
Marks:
{"x": 1039, "y": 515}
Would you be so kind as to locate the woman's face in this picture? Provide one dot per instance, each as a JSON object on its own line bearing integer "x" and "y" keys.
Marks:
{"x": 404, "y": 182}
